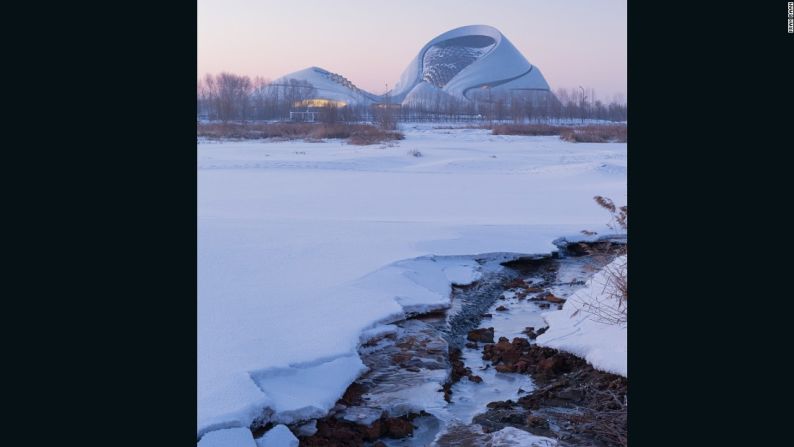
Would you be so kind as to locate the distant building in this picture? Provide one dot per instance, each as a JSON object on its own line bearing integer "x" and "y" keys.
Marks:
{"x": 466, "y": 62}
{"x": 471, "y": 62}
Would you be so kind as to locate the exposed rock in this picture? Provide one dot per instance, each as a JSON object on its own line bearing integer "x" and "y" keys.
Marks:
{"x": 398, "y": 428}
{"x": 537, "y": 422}
{"x": 484, "y": 335}
{"x": 573, "y": 394}
{"x": 501, "y": 308}
{"x": 553, "y": 298}
{"x": 517, "y": 283}
{"x": 564, "y": 381}
{"x": 338, "y": 432}
{"x": 502, "y": 404}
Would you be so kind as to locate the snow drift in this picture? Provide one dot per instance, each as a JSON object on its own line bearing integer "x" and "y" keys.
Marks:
{"x": 579, "y": 328}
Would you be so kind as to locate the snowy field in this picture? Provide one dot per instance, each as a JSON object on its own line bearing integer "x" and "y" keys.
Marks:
{"x": 302, "y": 246}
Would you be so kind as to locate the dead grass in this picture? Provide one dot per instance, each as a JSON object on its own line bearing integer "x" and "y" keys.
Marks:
{"x": 526, "y": 129}
{"x": 596, "y": 134}
{"x": 607, "y": 133}
{"x": 359, "y": 134}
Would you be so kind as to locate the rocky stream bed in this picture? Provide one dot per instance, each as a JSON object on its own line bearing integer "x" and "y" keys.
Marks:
{"x": 472, "y": 376}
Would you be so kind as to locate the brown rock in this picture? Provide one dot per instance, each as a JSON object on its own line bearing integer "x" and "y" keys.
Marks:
{"x": 373, "y": 432}
{"x": 530, "y": 331}
{"x": 483, "y": 335}
{"x": 504, "y": 404}
{"x": 400, "y": 358}
{"x": 517, "y": 283}
{"x": 475, "y": 378}
{"x": 398, "y": 428}
{"x": 552, "y": 365}
{"x": 537, "y": 422}
{"x": 520, "y": 343}
{"x": 553, "y": 298}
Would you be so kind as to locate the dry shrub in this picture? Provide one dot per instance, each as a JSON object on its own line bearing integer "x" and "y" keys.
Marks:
{"x": 575, "y": 134}
{"x": 324, "y": 131}
{"x": 620, "y": 215}
{"x": 252, "y": 131}
{"x": 611, "y": 306}
{"x": 526, "y": 129}
{"x": 365, "y": 134}
{"x": 596, "y": 134}
{"x": 360, "y": 134}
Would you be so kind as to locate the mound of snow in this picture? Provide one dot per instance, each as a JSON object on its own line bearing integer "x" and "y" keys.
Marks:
{"x": 577, "y": 328}
{"x": 510, "y": 436}
{"x": 307, "y": 392}
{"x": 230, "y": 437}
{"x": 278, "y": 436}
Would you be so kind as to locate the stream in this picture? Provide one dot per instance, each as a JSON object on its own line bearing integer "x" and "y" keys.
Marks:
{"x": 411, "y": 362}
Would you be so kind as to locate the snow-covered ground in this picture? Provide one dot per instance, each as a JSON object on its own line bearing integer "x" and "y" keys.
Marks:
{"x": 302, "y": 246}
{"x": 587, "y": 326}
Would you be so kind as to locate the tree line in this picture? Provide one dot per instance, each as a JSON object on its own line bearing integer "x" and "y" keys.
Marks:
{"x": 231, "y": 97}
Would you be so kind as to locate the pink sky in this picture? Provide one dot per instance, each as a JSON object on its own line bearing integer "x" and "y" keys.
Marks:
{"x": 573, "y": 42}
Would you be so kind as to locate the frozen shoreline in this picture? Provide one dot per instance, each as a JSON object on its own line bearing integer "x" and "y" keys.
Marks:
{"x": 292, "y": 234}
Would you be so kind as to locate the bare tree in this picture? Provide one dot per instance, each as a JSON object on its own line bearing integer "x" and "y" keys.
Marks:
{"x": 384, "y": 113}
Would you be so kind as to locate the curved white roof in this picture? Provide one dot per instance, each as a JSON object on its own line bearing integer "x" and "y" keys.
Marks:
{"x": 474, "y": 56}
{"x": 330, "y": 85}
{"x": 456, "y": 63}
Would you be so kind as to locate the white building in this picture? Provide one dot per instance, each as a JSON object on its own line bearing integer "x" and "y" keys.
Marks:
{"x": 466, "y": 62}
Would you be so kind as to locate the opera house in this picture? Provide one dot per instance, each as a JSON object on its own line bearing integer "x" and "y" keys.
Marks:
{"x": 466, "y": 63}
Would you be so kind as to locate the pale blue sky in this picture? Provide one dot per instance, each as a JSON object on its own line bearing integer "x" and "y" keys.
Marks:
{"x": 573, "y": 42}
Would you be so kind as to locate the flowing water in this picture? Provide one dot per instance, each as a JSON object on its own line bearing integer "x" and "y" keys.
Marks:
{"x": 409, "y": 360}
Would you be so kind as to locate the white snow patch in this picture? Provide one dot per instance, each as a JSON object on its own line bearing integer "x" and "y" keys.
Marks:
{"x": 278, "y": 436}
{"x": 575, "y": 330}
{"x": 229, "y": 437}
{"x": 510, "y": 436}
{"x": 462, "y": 275}
{"x": 307, "y": 392}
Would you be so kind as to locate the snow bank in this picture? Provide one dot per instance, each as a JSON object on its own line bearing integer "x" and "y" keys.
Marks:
{"x": 308, "y": 392}
{"x": 230, "y": 437}
{"x": 575, "y": 328}
{"x": 303, "y": 246}
{"x": 510, "y": 436}
{"x": 278, "y": 436}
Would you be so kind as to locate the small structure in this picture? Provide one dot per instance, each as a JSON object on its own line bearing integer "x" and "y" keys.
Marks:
{"x": 305, "y": 116}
